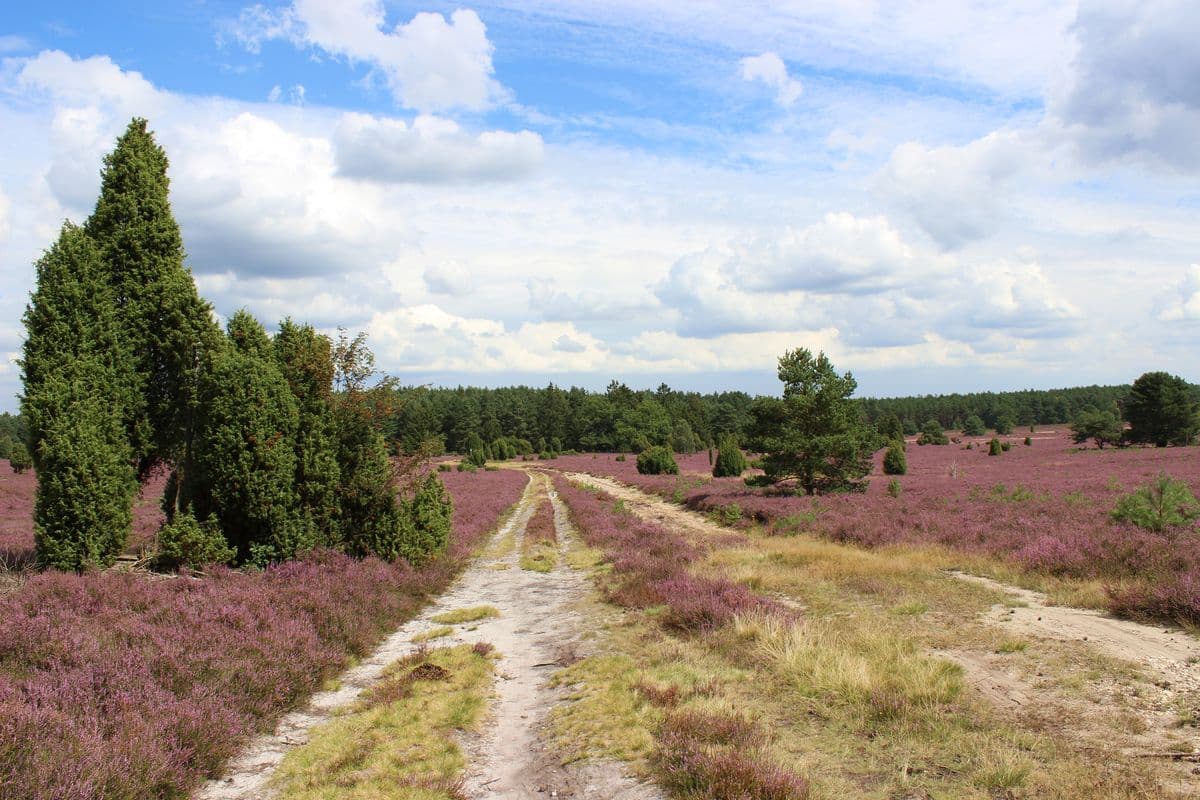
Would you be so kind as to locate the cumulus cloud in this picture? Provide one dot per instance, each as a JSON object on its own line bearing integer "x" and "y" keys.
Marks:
{"x": 1182, "y": 303}
{"x": 593, "y": 303}
{"x": 1018, "y": 300}
{"x": 429, "y": 63}
{"x": 1133, "y": 89}
{"x": 447, "y": 277}
{"x": 431, "y": 150}
{"x": 88, "y": 82}
{"x": 956, "y": 193}
{"x": 770, "y": 69}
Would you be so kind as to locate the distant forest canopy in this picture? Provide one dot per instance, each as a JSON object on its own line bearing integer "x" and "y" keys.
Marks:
{"x": 621, "y": 419}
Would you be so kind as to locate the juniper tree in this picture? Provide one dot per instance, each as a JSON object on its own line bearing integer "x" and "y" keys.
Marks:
{"x": 77, "y": 382}
{"x": 165, "y": 326}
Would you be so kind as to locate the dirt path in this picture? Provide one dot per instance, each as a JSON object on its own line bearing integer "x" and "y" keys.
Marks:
{"x": 1171, "y": 654}
{"x": 651, "y": 507}
{"x": 542, "y": 617}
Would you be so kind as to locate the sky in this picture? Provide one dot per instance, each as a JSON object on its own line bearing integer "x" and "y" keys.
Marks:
{"x": 942, "y": 196}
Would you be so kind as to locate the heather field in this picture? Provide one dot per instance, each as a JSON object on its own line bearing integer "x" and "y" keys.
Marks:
{"x": 128, "y": 685}
{"x": 1041, "y": 509}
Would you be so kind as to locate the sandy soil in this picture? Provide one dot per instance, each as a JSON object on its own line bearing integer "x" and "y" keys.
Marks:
{"x": 1171, "y": 654}
{"x": 653, "y": 508}
{"x": 542, "y": 619}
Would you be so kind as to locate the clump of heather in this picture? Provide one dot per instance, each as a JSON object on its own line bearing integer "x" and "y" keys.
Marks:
{"x": 540, "y": 529}
{"x": 711, "y": 757}
{"x": 119, "y": 685}
{"x": 650, "y": 565}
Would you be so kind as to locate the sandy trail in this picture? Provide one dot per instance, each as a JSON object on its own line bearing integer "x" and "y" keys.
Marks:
{"x": 542, "y": 617}
{"x": 651, "y": 507}
{"x": 1171, "y": 654}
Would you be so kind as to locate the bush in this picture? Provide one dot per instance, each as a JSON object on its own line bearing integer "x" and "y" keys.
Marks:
{"x": 893, "y": 489}
{"x": 430, "y": 511}
{"x": 657, "y": 461}
{"x": 476, "y": 457}
{"x": 731, "y": 462}
{"x": 931, "y": 433}
{"x": 1162, "y": 504}
{"x": 1005, "y": 446}
{"x": 184, "y": 542}
{"x": 620, "y": 457}
{"x": 1004, "y": 426}
{"x": 18, "y": 458}
{"x": 974, "y": 426}
{"x": 1028, "y": 441}
{"x": 894, "y": 461}
{"x": 994, "y": 447}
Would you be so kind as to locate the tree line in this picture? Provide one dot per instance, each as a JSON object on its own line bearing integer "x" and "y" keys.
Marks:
{"x": 274, "y": 444}
{"x": 621, "y": 419}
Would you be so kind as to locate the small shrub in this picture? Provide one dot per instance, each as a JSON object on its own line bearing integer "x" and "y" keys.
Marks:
{"x": 186, "y": 542}
{"x": 731, "y": 462}
{"x": 893, "y": 489}
{"x": 1005, "y": 446}
{"x": 1162, "y": 504}
{"x": 932, "y": 433}
{"x": 995, "y": 448}
{"x": 445, "y": 468}
{"x": 894, "y": 461}
{"x": 18, "y": 458}
{"x": 620, "y": 457}
{"x": 974, "y": 426}
{"x": 657, "y": 461}
{"x": 1028, "y": 441}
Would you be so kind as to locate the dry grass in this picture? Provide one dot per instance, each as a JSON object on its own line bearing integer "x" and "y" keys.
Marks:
{"x": 849, "y": 690}
{"x": 400, "y": 742}
{"x": 459, "y": 616}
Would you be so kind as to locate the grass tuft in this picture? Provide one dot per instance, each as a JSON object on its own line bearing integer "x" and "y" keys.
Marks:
{"x": 459, "y": 616}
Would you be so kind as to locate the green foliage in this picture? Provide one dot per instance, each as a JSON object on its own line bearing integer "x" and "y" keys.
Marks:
{"x": 83, "y": 508}
{"x": 815, "y": 433}
{"x": 185, "y": 542}
{"x": 1102, "y": 427}
{"x": 894, "y": 460}
{"x": 165, "y": 326}
{"x": 1003, "y": 426}
{"x": 974, "y": 426}
{"x": 431, "y": 511}
{"x": 305, "y": 360}
{"x": 244, "y": 460}
{"x": 931, "y": 433}
{"x": 657, "y": 461}
{"x": 893, "y": 488}
{"x": 994, "y": 447}
{"x": 76, "y": 379}
{"x": 1162, "y": 409}
{"x": 19, "y": 458}
{"x": 731, "y": 462}
{"x": 889, "y": 427}
{"x": 1160, "y": 505}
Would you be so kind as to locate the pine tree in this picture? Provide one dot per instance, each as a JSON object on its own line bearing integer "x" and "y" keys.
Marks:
{"x": 77, "y": 380}
{"x": 166, "y": 327}
{"x": 816, "y": 433}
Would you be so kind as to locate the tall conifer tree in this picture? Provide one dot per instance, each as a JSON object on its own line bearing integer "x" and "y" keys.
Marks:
{"x": 165, "y": 325}
{"x": 77, "y": 385}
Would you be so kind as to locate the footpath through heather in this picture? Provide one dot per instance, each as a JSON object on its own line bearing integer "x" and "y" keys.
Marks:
{"x": 539, "y": 625}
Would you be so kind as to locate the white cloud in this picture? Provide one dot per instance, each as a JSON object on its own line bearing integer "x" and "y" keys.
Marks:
{"x": 432, "y": 150}
{"x": 1132, "y": 92}
{"x": 430, "y": 63}
{"x": 90, "y": 81}
{"x": 770, "y": 69}
{"x": 957, "y": 194}
{"x": 14, "y": 44}
{"x": 1182, "y": 303}
{"x": 447, "y": 277}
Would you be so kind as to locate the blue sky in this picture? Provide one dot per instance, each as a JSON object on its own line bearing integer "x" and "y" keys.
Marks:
{"x": 943, "y": 196}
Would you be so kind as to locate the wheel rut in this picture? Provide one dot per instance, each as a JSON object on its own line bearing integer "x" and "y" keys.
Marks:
{"x": 541, "y": 624}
